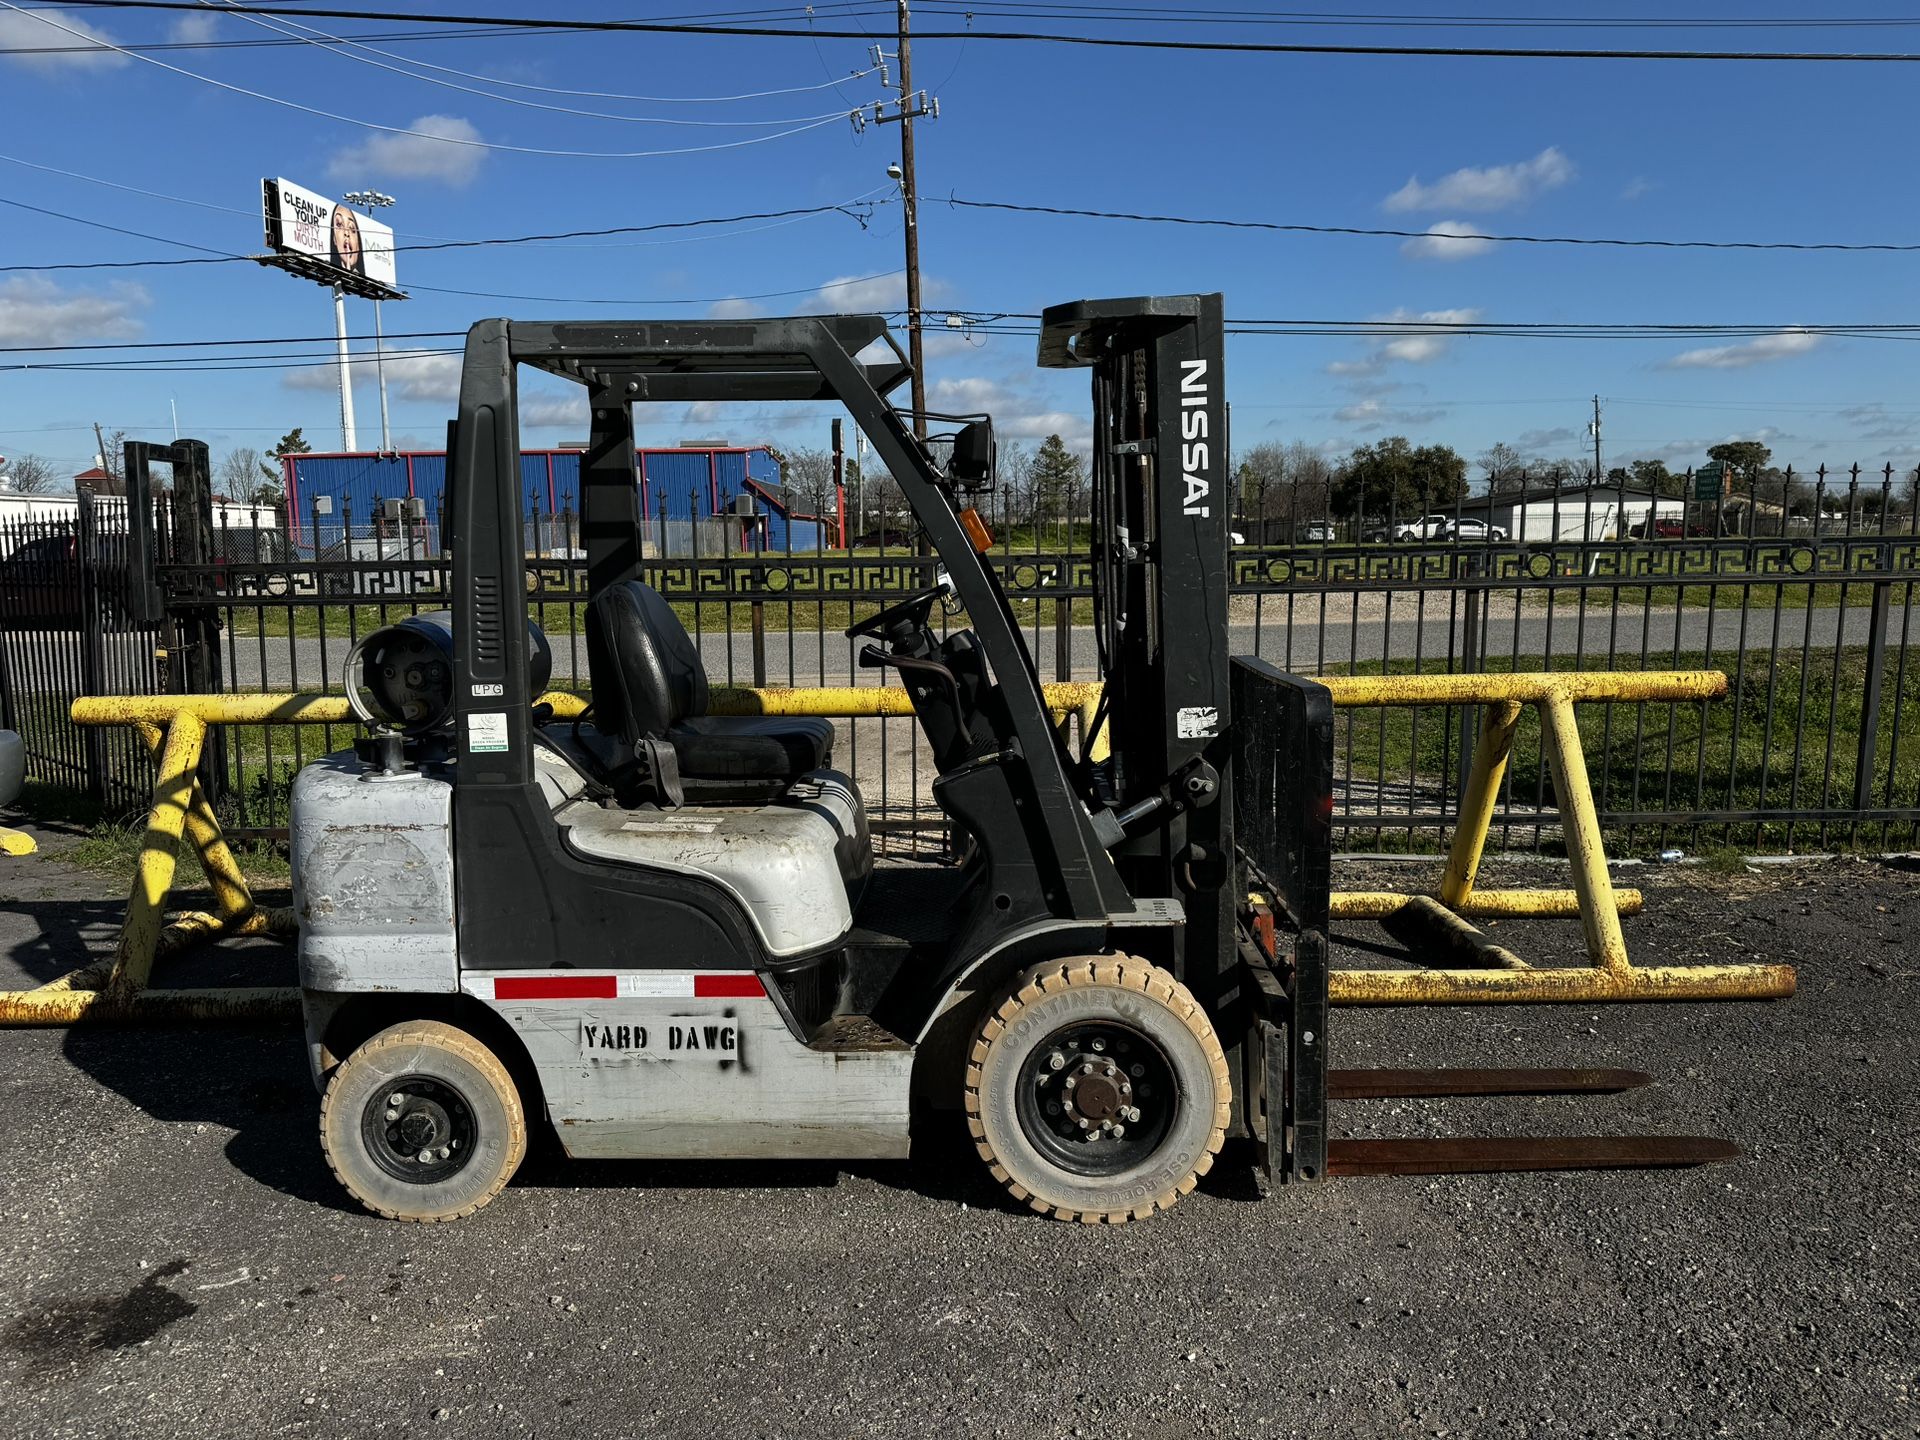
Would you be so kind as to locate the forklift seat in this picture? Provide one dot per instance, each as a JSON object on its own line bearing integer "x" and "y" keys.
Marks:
{"x": 649, "y": 684}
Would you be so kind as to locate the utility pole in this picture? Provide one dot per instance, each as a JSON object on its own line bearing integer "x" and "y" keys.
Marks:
{"x": 1598, "y": 476}
{"x": 910, "y": 105}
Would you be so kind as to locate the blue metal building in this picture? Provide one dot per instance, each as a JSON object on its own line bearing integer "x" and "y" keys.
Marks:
{"x": 687, "y": 483}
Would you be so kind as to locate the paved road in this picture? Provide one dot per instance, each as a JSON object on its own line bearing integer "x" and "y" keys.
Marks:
{"x": 175, "y": 1259}
{"x": 806, "y": 658}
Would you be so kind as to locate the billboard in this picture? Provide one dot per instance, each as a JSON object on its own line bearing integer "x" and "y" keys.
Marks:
{"x": 329, "y": 242}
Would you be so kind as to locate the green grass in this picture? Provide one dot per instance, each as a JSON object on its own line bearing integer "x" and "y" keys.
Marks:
{"x": 1732, "y": 754}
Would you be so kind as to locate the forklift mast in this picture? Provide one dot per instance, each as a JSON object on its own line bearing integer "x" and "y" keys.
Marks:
{"x": 1161, "y": 506}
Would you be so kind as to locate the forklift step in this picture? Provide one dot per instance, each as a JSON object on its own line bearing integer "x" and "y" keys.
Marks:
{"x": 1486, "y": 1155}
{"x": 1412, "y": 1084}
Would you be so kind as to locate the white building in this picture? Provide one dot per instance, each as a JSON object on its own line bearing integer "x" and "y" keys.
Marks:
{"x": 1579, "y": 513}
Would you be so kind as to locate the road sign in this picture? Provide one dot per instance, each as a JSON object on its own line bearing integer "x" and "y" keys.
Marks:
{"x": 1707, "y": 481}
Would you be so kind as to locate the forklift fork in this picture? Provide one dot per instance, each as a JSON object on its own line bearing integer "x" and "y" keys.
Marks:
{"x": 1283, "y": 800}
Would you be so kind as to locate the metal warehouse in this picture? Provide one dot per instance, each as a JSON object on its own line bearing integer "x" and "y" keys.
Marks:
{"x": 711, "y": 497}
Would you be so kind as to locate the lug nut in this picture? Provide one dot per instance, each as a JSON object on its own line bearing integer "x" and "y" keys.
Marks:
{"x": 1133, "y": 1113}
{"x": 1099, "y": 1045}
{"x": 1072, "y": 1080}
{"x": 1087, "y": 1069}
{"x": 392, "y": 1115}
{"x": 1056, "y": 1061}
{"x": 1138, "y": 1071}
{"x": 1126, "y": 1088}
{"x": 1085, "y": 1123}
{"x": 1111, "y": 1072}
{"x": 1118, "y": 1131}
{"x": 396, "y": 1099}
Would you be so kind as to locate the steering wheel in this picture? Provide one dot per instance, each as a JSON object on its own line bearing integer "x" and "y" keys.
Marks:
{"x": 914, "y": 608}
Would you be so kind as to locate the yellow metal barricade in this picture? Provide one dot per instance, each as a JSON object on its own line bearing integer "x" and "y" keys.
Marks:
{"x": 175, "y": 726}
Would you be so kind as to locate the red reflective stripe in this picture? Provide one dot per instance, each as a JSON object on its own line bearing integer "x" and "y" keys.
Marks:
{"x": 555, "y": 987}
{"x": 727, "y": 987}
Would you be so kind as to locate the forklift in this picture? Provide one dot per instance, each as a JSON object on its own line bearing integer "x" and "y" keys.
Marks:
{"x": 662, "y": 933}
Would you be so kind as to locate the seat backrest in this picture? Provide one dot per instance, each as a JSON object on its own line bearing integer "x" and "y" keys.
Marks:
{"x": 645, "y": 671}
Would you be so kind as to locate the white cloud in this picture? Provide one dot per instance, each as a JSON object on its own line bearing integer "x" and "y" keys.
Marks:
{"x": 1490, "y": 187}
{"x": 35, "y": 310}
{"x": 866, "y": 294}
{"x": 20, "y": 31}
{"x": 424, "y": 155}
{"x": 1542, "y": 439}
{"x": 1447, "y": 240}
{"x": 1876, "y": 422}
{"x": 733, "y": 310}
{"x": 1417, "y": 348}
{"x": 411, "y": 375}
{"x": 555, "y": 412}
{"x": 1018, "y": 412}
{"x": 1781, "y": 345}
{"x": 192, "y": 29}
{"x": 1376, "y": 412}
{"x": 1636, "y": 187}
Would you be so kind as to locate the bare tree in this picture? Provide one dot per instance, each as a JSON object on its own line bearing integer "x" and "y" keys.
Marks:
{"x": 239, "y": 474}
{"x": 1506, "y": 468}
{"x": 31, "y": 475}
{"x": 807, "y": 476}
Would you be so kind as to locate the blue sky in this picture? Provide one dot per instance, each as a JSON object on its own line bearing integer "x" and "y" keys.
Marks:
{"x": 1658, "y": 149}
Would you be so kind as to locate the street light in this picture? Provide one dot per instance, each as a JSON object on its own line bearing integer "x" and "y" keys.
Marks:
{"x": 375, "y": 200}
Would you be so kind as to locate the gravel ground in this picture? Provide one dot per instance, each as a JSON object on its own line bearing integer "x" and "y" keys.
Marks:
{"x": 177, "y": 1260}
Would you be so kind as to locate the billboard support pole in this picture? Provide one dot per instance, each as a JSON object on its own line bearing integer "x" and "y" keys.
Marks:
{"x": 380, "y": 370}
{"x": 350, "y": 441}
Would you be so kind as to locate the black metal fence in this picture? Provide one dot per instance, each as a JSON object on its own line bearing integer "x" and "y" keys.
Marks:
{"x": 1817, "y": 746}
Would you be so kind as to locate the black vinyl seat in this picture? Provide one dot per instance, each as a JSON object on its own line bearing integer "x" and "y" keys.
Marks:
{"x": 649, "y": 684}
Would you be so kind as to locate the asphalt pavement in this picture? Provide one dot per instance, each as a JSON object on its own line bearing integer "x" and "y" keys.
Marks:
{"x": 1290, "y": 636}
{"x": 177, "y": 1260}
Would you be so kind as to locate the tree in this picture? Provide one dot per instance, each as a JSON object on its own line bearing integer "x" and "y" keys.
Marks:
{"x": 1506, "y": 468}
{"x": 1653, "y": 475}
{"x": 291, "y": 443}
{"x": 1013, "y": 473}
{"x": 1393, "y": 477}
{"x": 806, "y": 475}
{"x": 1745, "y": 458}
{"x": 239, "y": 474}
{"x": 31, "y": 475}
{"x": 1059, "y": 480}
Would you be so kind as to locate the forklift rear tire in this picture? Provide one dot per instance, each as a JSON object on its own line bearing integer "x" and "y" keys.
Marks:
{"x": 422, "y": 1123}
{"x": 1097, "y": 1091}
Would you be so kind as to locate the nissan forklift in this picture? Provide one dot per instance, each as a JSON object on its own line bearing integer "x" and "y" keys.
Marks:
{"x": 661, "y": 933}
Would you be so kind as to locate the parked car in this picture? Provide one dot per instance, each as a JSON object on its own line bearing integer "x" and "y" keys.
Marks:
{"x": 1436, "y": 527}
{"x": 1665, "y": 529}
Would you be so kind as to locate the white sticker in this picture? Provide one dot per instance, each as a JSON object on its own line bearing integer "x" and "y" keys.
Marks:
{"x": 487, "y": 732}
{"x": 489, "y": 692}
{"x": 1197, "y": 722}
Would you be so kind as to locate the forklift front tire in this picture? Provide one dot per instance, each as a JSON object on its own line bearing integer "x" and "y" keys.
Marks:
{"x": 1097, "y": 1091}
{"x": 422, "y": 1123}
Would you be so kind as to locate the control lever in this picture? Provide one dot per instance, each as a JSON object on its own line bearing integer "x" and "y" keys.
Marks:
{"x": 872, "y": 657}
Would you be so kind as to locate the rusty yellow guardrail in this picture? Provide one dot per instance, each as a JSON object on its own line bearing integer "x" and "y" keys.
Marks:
{"x": 1439, "y": 921}
{"x": 175, "y": 727}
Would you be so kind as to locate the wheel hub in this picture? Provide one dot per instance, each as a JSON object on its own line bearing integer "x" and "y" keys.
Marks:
{"x": 1096, "y": 1098}
{"x": 419, "y": 1129}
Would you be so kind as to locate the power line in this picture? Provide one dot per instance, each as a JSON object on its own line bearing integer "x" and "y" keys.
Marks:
{"x": 1303, "y": 229}
{"x": 223, "y": 257}
{"x": 402, "y": 70}
{"x": 649, "y": 27}
{"x": 851, "y": 207}
{"x": 490, "y": 145}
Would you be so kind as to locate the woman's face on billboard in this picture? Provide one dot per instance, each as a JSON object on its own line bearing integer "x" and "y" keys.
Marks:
{"x": 346, "y": 239}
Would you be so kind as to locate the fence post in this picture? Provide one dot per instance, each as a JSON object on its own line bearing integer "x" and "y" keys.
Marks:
{"x": 1062, "y": 621}
{"x": 1469, "y": 663}
{"x": 759, "y": 608}
{"x": 1870, "y": 698}
{"x": 93, "y": 658}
